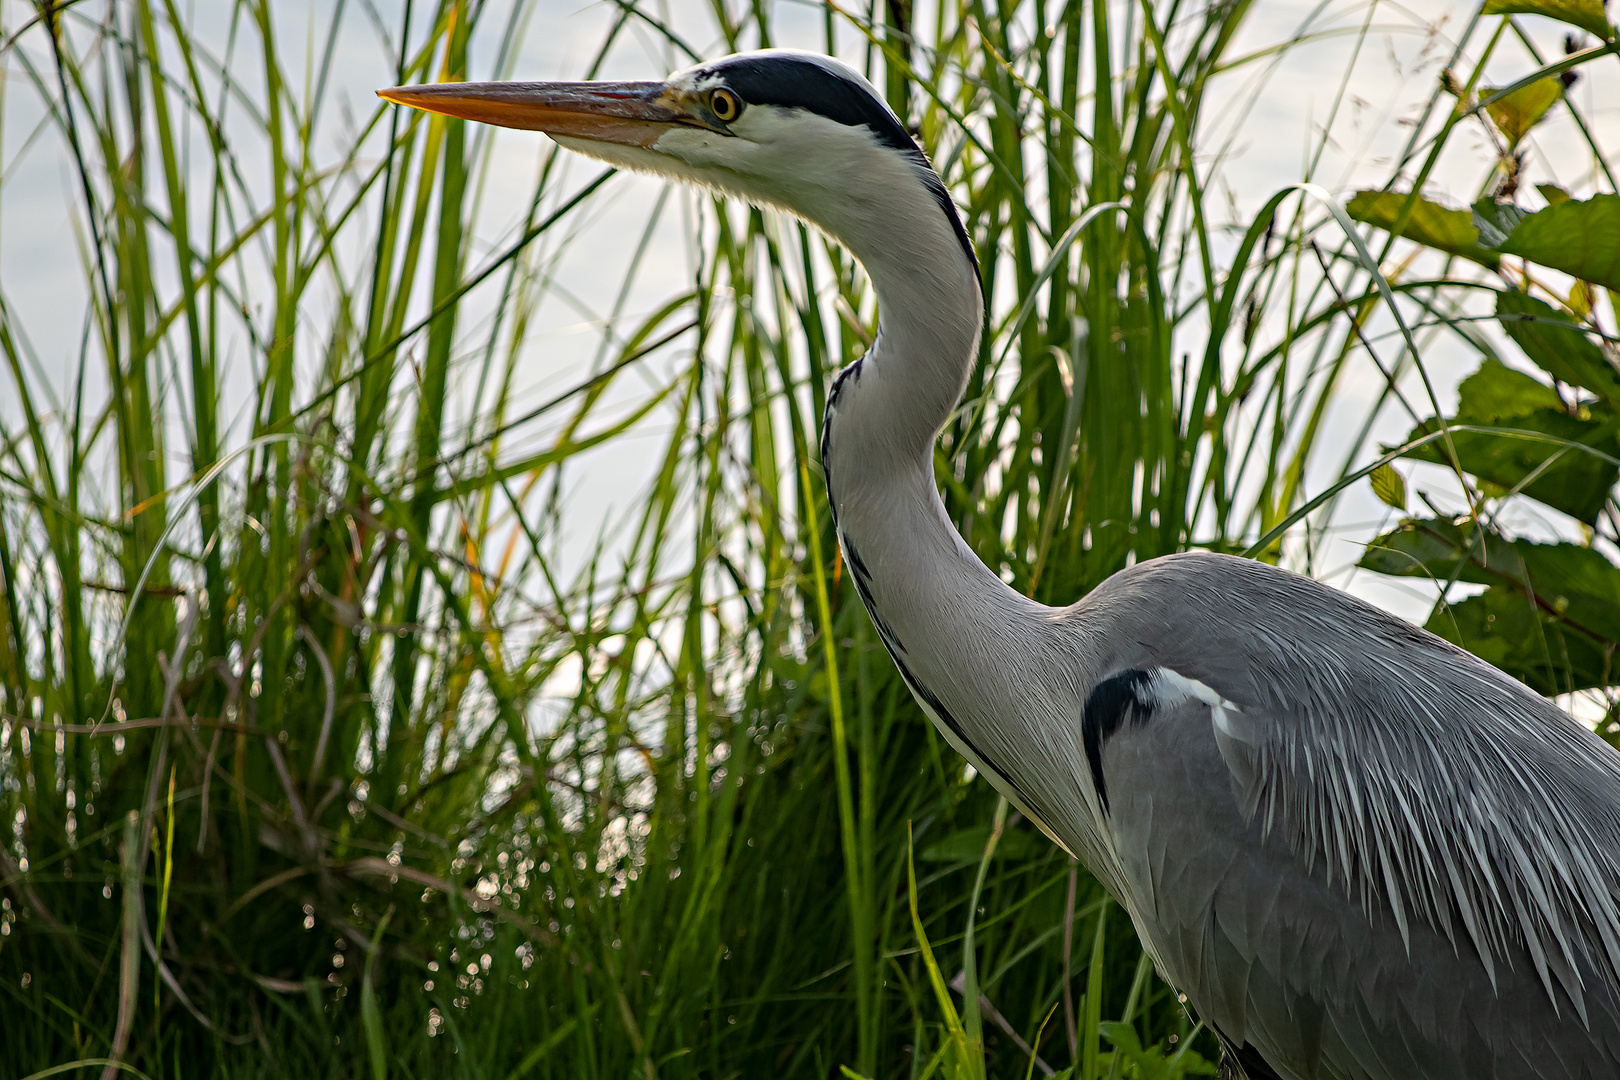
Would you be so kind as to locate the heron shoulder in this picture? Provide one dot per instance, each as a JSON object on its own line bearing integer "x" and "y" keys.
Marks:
{"x": 1280, "y": 951}
{"x": 1421, "y": 776}
{"x": 1226, "y": 609}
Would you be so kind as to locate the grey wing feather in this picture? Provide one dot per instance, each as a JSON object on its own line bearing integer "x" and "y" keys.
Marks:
{"x": 1278, "y": 956}
{"x": 1377, "y": 808}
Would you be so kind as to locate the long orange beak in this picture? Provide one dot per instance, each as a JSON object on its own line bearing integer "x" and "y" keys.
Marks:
{"x": 631, "y": 113}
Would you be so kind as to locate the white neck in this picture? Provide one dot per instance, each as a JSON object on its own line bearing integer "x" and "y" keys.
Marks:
{"x": 929, "y": 316}
{"x": 959, "y": 634}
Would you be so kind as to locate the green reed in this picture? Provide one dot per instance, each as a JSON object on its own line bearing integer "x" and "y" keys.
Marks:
{"x": 318, "y": 757}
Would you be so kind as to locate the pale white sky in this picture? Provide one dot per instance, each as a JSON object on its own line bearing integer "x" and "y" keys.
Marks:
{"x": 1270, "y": 139}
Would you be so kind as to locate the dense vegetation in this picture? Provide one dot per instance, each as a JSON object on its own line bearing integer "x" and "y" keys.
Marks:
{"x": 323, "y": 752}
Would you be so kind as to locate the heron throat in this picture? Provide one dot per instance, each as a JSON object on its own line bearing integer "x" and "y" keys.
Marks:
{"x": 958, "y": 634}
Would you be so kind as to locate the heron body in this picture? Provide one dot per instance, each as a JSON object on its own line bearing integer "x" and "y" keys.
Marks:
{"x": 1361, "y": 853}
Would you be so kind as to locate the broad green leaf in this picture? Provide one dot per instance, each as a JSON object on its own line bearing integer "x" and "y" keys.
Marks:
{"x": 1152, "y": 1062}
{"x": 1553, "y": 194}
{"x": 1496, "y": 394}
{"x": 1586, "y": 14}
{"x": 1538, "y": 593}
{"x": 1553, "y": 344}
{"x": 1429, "y": 223}
{"x": 1495, "y": 221}
{"x": 1507, "y": 628}
{"x": 1516, "y": 113}
{"x": 1389, "y": 486}
{"x": 1540, "y": 453}
{"x": 1429, "y": 548}
{"x": 1581, "y": 237}
{"x": 1540, "y": 457}
{"x": 1573, "y": 582}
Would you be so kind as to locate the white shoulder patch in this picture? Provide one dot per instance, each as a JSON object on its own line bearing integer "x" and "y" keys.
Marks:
{"x": 1172, "y": 688}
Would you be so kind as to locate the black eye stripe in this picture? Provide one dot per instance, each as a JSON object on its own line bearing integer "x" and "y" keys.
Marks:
{"x": 795, "y": 82}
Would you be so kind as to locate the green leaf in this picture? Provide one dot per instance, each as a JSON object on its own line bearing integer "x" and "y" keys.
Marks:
{"x": 1553, "y": 194}
{"x": 1388, "y": 485}
{"x": 1458, "y": 550}
{"x": 1507, "y": 628}
{"x": 1151, "y": 1062}
{"x": 1516, "y": 113}
{"x": 1580, "y": 299}
{"x": 1539, "y": 454}
{"x": 963, "y": 1057}
{"x": 370, "y": 1014}
{"x": 1534, "y": 458}
{"x": 1496, "y": 393}
{"x": 1429, "y": 223}
{"x": 1495, "y": 221}
{"x": 1432, "y": 549}
{"x": 1581, "y": 237}
{"x": 1586, "y": 14}
{"x": 1556, "y": 346}
{"x": 1551, "y": 613}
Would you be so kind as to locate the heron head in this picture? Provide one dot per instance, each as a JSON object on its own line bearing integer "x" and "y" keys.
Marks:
{"x": 793, "y": 130}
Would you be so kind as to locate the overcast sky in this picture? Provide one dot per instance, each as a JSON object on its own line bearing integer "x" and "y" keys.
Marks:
{"x": 1269, "y": 138}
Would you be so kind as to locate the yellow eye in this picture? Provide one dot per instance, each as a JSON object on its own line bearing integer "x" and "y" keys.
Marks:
{"x": 724, "y": 105}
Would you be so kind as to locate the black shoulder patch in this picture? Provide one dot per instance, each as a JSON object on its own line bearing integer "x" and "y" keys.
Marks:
{"x": 798, "y": 82}
{"x": 1113, "y": 701}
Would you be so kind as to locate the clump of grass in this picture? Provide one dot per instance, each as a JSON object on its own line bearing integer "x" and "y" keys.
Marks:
{"x": 314, "y": 749}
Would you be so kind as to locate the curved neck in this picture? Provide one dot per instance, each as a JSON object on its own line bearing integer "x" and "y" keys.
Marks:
{"x": 917, "y": 575}
{"x": 886, "y": 410}
{"x": 930, "y": 311}
{"x": 963, "y": 640}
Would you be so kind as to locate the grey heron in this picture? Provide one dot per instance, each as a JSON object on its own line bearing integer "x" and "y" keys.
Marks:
{"x": 1360, "y": 852}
